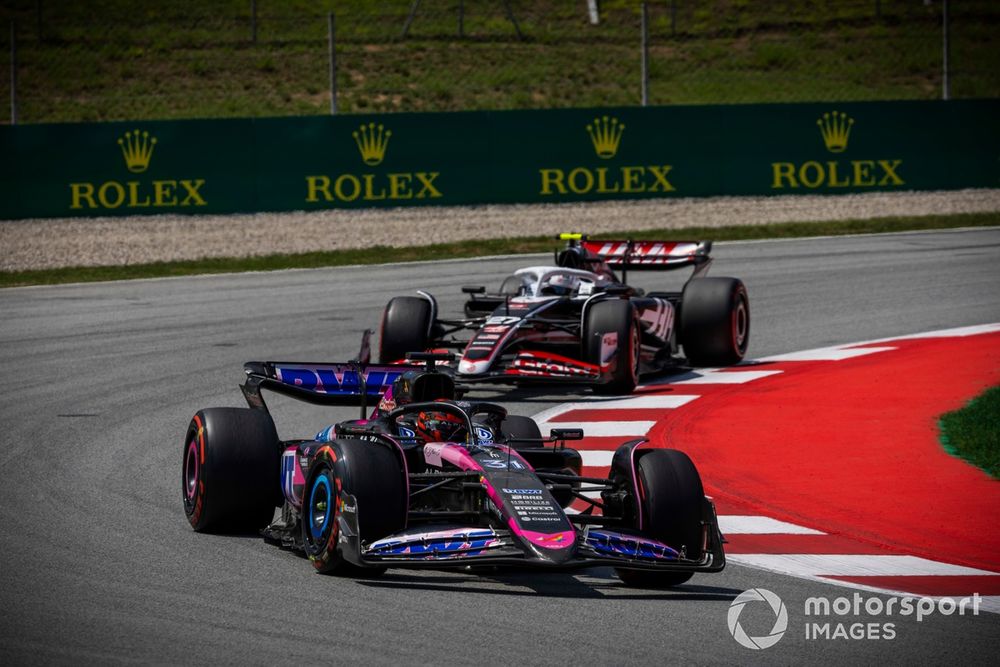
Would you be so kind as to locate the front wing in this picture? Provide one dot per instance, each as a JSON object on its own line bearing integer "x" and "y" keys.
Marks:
{"x": 485, "y": 546}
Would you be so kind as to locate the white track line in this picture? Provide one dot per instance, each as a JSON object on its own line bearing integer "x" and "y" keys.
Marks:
{"x": 737, "y": 524}
{"x": 625, "y": 429}
{"x": 958, "y": 332}
{"x": 847, "y": 351}
{"x": 713, "y": 376}
{"x": 650, "y": 402}
{"x": 597, "y": 457}
{"x": 827, "y": 354}
{"x": 852, "y": 565}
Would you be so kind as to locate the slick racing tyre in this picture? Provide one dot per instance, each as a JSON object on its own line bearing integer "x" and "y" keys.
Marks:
{"x": 671, "y": 498}
{"x": 614, "y": 317}
{"x": 714, "y": 321}
{"x": 372, "y": 475}
{"x": 405, "y": 325}
{"x": 230, "y": 471}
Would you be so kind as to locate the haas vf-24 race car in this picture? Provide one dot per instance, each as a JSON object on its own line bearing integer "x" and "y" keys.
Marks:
{"x": 578, "y": 322}
{"x": 426, "y": 480}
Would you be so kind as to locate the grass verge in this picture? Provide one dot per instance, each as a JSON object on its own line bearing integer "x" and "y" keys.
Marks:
{"x": 473, "y": 248}
{"x": 973, "y": 432}
{"x": 107, "y": 60}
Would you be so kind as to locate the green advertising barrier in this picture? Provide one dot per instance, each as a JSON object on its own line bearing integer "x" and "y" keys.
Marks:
{"x": 309, "y": 163}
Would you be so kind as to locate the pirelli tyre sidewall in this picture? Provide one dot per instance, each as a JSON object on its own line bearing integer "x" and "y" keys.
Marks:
{"x": 373, "y": 475}
{"x": 671, "y": 497}
{"x": 614, "y": 316}
{"x": 230, "y": 470}
{"x": 714, "y": 321}
{"x": 406, "y": 322}
{"x": 320, "y": 507}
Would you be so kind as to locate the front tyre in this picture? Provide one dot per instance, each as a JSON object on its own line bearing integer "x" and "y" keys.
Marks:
{"x": 614, "y": 318}
{"x": 406, "y": 322}
{"x": 373, "y": 476}
{"x": 230, "y": 471}
{"x": 715, "y": 321}
{"x": 319, "y": 518}
{"x": 670, "y": 500}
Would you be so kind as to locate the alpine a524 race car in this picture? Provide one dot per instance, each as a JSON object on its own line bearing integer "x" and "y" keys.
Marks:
{"x": 426, "y": 480}
{"x": 578, "y": 322}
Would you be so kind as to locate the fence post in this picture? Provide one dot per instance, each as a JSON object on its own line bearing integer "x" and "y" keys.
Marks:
{"x": 333, "y": 64}
{"x": 645, "y": 54}
{"x": 673, "y": 18}
{"x": 945, "y": 82}
{"x": 13, "y": 74}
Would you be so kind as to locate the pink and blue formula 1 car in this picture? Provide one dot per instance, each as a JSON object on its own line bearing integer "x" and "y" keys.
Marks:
{"x": 430, "y": 481}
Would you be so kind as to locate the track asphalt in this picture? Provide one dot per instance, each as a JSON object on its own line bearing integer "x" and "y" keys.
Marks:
{"x": 98, "y": 565}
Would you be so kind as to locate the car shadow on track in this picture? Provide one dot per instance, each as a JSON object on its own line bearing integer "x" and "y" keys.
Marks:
{"x": 595, "y": 584}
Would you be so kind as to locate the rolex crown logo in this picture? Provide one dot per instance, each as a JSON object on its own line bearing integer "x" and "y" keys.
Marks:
{"x": 605, "y": 133}
{"x": 835, "y": 128}
{"x": 372, "y": 141}
{"x": 137, "y": 147}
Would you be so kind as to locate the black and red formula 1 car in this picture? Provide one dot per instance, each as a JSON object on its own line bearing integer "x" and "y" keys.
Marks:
{"x": 430, "y": 481}
{"x": 577, "y": 322}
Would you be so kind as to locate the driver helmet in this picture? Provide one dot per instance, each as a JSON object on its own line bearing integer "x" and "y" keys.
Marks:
{"x": 440, "y": 426}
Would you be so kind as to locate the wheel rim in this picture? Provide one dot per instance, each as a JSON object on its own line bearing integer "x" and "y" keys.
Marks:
{"x": 741, "y": 326}
{"x": 191, "y": 469}
{"x": 320, "y": 504}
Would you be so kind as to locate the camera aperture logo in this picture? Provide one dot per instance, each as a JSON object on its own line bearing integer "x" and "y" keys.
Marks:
{"x": 854, "y": 618}
{"x": 780, "y": 618}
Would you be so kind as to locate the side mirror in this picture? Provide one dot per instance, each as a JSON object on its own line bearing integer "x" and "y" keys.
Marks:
{"x": 473, "y": 289}
{"x": 566, "y": 434}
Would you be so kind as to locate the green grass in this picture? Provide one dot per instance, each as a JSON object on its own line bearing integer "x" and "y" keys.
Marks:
{"x": 973, "y": 432}
{"x": 463, "y": 249}
{"x": 123, "y": 59}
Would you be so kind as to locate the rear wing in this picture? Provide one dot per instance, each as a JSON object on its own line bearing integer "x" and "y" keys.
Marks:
{"x": 629, "y": 255}
{"x": 356, "y": 382}
{"x": 650, "y": 255}
{"x": 350, "y": 383}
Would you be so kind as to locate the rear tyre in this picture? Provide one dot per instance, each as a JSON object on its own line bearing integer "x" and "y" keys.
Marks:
{"x": 230, "y": 471}
{"x": 373, "y": 475}
{"x": 405, "y": 325}
{"x": 671, "y": 498}
{"x": 614, "y": 317}
{"x": 715, "y": 321}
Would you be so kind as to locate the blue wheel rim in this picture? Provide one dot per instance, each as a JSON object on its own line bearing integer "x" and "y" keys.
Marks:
{"x": 320, "y": 502}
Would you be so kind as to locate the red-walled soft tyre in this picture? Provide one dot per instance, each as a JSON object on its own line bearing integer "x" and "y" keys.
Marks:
{"x": 230, "y": 470}
{"x": 616, "y": 317}
{"x": 714, "y": 321}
